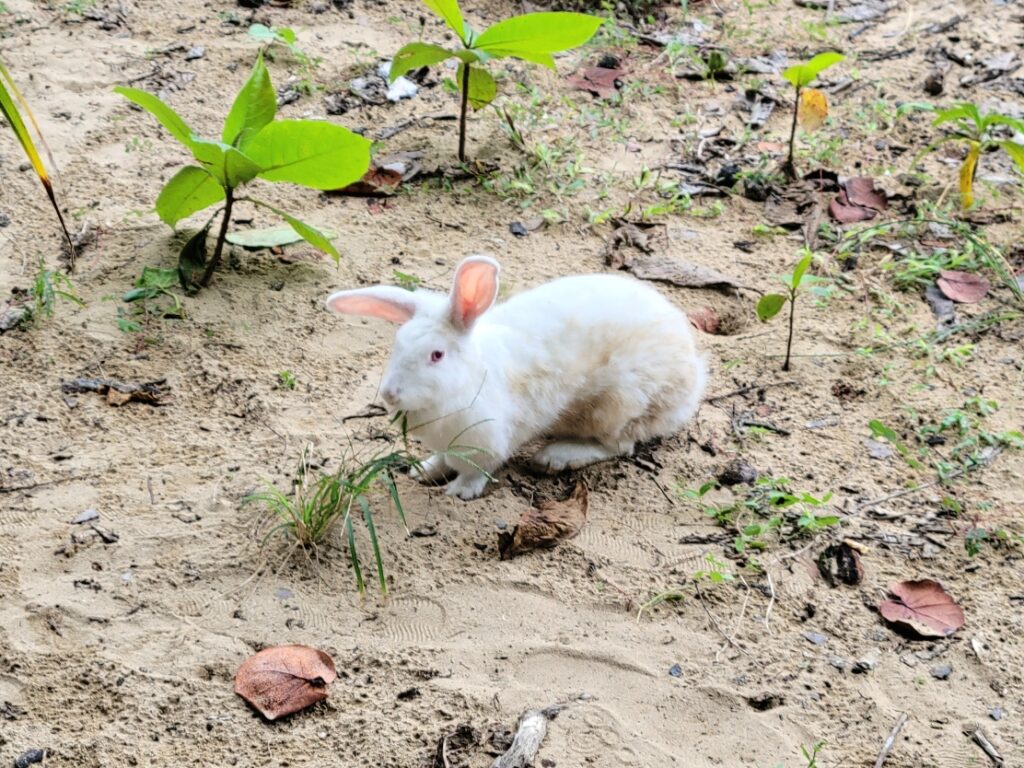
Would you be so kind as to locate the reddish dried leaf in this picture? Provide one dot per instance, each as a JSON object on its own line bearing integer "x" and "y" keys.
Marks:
{"x": 376, "y": 182}
{"x": 861, "y": 191}
{"x": 704, "y": 319}
{"x": 845, "y": 213}
{"x": 546, "y": 525}
{"x": 925, "y": 607}
{"x": 963, "y": 287}
{"x": 284, "y": 679}
{"x": 600, "y": 81}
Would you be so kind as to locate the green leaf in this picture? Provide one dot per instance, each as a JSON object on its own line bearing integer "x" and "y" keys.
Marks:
{"x": 254, "y": 107}
{"x": 769, "y": 306}
{"x": 192, "y": 260}
{"x": 535, "y": 36}
{"x": 878, "y": 429}
{"x": 271, "y": 237}
{"x": 963, "y": 111}
{"x": 416, "y": 55}
{"x": 263, "y": 33}
{"x": 155, "y": 277}
{"x": 1015, "y": 151}
{"x": 229, "y": 166}
{"x": 168, "y": 118}
{"x": 799, "y": 270}
{"x": 452, "y": 15}
{"x": 191, "y": 189}
{"x": 482, "y": 88}
{"x": 312, "y": 153}
{"x": 804, "y": 74}
{"x": 310, "y": 234}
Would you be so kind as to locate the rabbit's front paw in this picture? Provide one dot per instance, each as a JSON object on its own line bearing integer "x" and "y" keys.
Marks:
{"x": 555, "y": 457}
{"x": 433, "y": 470}
{"x": 467, "y": 486}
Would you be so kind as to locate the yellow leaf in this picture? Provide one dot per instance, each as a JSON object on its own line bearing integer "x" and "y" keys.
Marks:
{"x": 813, "y": 108}
{"x": 967, "y": 171}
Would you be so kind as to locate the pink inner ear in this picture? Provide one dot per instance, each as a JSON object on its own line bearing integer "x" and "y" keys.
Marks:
{"x": 476, "y": 287}
{"x": 370, "y": 306}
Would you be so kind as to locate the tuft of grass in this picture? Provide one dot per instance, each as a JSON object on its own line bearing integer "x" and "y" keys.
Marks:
{"x": 319, "y": 501}
{"x": 49, "y": 287}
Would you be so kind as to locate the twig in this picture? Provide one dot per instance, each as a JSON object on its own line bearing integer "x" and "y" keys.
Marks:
{"x": 442, "y": 223}
{"x": 533, "y": 726}
{"x": 748, "y": 388}
{"x": 982, "y": 741}
{"x": 771, "y": 602}
{"x": 714, "y": 621}
{"x": 33, "y": 486}
{"x": 890, "y": 740}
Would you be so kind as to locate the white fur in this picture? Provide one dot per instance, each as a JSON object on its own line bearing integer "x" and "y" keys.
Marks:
{"x": 598, "y": 362}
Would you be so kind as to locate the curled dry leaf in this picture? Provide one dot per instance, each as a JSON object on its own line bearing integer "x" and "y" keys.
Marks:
{"x": 963, "y": 287}
{"x": 376, "y": 182}
{"x": 840, "y": 564}
{"x": 704, "y": 319}
{"x": 283, "y": 679}
{"x": 923, "y": 606}
{"x": 546, "y": 525}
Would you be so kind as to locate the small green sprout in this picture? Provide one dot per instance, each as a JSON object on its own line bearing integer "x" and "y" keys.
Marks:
{"x": 814, "y": 101}
{"x": 772, "y": 303}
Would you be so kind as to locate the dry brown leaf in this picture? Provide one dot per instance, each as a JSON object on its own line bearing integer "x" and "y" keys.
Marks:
{"x": 861, "y": 190}
{"x": 840, "y": 564}
{"x": 547, "y": 525}
{"x": 963, "y": 287}
{"x": 844, "y": 212}
{"x": 600, "y": 81}
{"x": 813, "y": 109}
{"x": 376, "y": 182}
{"x": 925, "y": 607}
{"x": 283, "y": 679}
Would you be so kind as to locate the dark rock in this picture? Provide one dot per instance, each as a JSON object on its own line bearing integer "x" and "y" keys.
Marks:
{"x": 737, "y": 472}
{"x": 933, "y": 83}
{"x": 762, "y": 702}
{"x": 516, "y": 227}
{"x": 31, "y": 757}
{"x": 942, "y": 671}
{"x": 675, "y": 670}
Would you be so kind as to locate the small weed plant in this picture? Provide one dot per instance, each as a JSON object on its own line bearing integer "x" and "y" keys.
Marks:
{"x": 318, "y": 501}
{"x": 285, "y": 37}
{"x": 310, "y": 153}
{"x": 531, "y": 37}
{"x": 982, "y": 133}
{"x": 48, "y": 288}
{"x": 810, "y": 106}
{"x": 772, "y": 303}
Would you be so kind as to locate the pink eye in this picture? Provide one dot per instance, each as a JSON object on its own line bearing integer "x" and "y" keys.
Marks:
{"x": 436, "y": 355}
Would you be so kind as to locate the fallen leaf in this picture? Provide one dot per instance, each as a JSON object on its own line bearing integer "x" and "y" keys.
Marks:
{"x": 546, "y": 525}
{"x": 844, "y": 212}
{"x": 600, "y": 81}
{"x": 376, "y": 182}
{"x": 667, "y": 269}
{"x": 963, "y": 287}
{"x": 925, "y": 607}
{"x": 704, "y": 319}
{"x": 283, "y": 679}
{"x": 272, "y": 237}
{"x": 840, "y": 564}
{"x": 813, "y": 109}
{"x": 861, "y": 190}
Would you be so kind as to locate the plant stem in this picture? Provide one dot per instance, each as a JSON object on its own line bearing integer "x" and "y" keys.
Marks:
{"x": 229, "y": 200}
{"x": 790, "y": 166}
{"x": 789, "y": 341}
{"x": 462, "y": 117}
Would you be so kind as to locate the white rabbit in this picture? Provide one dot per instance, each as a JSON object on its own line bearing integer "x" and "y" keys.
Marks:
{"x": 599, "y": 362}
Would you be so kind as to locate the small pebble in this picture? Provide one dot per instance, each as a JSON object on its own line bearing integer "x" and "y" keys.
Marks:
{"x": 996, "y": 713}
{"x": 838, "y": 662}
{"x": 675, "y": 670}
{"x": 517, "y": 229}
{"x": 865, "y": 665}
{"x": 283, "y": 593}
{"x": 196, "y": 52}
{"x": 30, "y": 758}
{"x": 737, "y": 472}
{"x": 85, "y": 517}
{"x": 815, "y": 637}
{"x": 942, "y": 671}
{"x": 500, "y": 524}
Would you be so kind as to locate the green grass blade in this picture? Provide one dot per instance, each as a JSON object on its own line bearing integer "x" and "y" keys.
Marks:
{"x": 368, "y": 519}
{"x": 353, "y": 555}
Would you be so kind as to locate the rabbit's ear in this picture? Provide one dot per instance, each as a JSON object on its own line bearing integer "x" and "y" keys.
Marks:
{"x": 474, "y": 290}
{"x": 395, "y": 304}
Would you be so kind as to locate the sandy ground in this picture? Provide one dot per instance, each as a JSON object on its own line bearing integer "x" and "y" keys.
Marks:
{"x": 121, "y": 651}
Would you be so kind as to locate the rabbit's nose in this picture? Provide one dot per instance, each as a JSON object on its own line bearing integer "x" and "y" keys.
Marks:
{"x": 390, "y": 395}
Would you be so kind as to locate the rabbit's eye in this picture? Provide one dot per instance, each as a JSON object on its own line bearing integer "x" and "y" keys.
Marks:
{"x": 436, "y": 355}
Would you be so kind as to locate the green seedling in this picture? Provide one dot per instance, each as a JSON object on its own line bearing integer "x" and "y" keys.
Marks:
{"x": 285, "y": 37}
{"x": 310, "y": 153}
{"x": 286, "y": 380}
{"x": 772, "y": 303}
{"x": 531, "y": 37}
{"x": 320, "y": 500}
{"x": 12, "y": 105}
{"x": 47, "y": 289}
{"x": 981, "y": 132}
{"x": 809, "y": 106}
{"x": 155, "y": 284}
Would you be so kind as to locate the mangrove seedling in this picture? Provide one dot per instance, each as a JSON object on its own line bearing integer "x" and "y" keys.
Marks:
{"x": 530, "y": 37}
{"x": 810, "y": 106}
{"x": 772, "y": 303}
{"x": 983, "y": 133}
{"x": 311, "y": 153}
{"x": 10, "y": 101}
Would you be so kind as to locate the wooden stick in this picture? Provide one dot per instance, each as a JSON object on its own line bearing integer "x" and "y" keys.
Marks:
{"x": 890, "y": 740}
{"x": 982, "y": 741}
{"x": 533, "y": 726}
